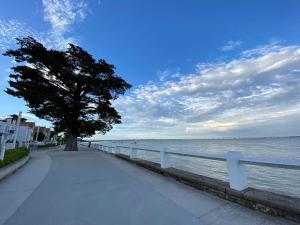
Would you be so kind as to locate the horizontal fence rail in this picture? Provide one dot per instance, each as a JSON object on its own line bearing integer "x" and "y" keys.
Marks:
{"x": 236, "y": 161}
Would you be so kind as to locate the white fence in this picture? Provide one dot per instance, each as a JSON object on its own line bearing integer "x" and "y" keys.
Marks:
{"x": 236, "y": 161}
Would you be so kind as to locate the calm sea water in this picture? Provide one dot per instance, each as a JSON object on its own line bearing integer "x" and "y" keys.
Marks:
{"x": 283, "y": 181}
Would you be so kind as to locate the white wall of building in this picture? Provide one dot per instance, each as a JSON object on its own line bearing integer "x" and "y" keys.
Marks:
{"x": 9, "y": 129}
{"x": 24, "y": 136}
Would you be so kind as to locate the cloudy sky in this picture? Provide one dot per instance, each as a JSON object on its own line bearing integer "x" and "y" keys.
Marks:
{"x": 199, "y": 69}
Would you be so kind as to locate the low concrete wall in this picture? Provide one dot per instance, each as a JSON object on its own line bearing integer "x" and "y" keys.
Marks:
{"x": 263, "y": 201}
{"x": 11, "y": 168}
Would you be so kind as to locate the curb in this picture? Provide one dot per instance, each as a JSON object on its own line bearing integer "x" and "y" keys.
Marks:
{"x": 12, "y": 168}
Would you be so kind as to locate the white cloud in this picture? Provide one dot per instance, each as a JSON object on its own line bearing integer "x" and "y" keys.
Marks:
{"x": 29, "y": 116}
{"x": 231, "y": 45}
{"x": 163, "y": 75}
{"x": 61, "y": 14}
{"x": 258, "y": 89}
{"x": 10, "y": 30}
{"x": 244, "y": 118}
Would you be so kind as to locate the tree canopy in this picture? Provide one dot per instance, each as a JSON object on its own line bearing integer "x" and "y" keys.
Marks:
{"x": 69, "y": 88}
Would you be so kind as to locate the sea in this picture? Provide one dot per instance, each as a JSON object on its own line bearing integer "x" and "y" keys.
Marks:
{"x": 282, "y": 181}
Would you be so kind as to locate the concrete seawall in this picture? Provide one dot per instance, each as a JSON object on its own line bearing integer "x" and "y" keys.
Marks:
{"x": 263, "y": 201}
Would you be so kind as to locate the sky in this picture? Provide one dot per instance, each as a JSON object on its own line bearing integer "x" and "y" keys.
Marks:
{"x": 199, "y": 69}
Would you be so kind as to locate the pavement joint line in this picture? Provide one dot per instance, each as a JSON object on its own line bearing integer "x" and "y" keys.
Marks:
{"x": 214, "y": 209}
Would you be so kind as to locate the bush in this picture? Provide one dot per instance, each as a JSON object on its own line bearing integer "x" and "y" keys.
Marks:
{"x": 47, "y": 146}
{"x": 13, "y": 155}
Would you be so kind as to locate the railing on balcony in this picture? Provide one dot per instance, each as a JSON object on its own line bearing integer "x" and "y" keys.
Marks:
{"x": 236, "y": 161}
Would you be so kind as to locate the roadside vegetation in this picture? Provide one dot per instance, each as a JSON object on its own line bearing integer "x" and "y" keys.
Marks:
{"x": 48, "y": 145}
{"x": 13, "y": 155}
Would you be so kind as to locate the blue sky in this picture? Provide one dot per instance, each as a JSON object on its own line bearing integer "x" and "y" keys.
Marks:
{"x": 199, "y": 69}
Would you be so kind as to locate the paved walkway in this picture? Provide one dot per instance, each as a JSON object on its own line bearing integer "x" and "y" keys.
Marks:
{"x": 89, "y": 188}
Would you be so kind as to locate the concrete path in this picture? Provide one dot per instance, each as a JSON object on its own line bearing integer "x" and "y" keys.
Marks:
{"x": 16, "y": 188}
{"x": 89, "y": 187}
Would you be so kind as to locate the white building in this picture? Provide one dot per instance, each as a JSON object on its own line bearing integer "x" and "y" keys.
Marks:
{"x": 25, "y": 136}
{"x": 7, "y": 128}
{"x": 7, "y": 132}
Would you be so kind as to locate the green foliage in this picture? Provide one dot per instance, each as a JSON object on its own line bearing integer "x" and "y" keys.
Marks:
{"x": 41, "y": 136}
{"x": 47, "y": 146}
{"x": 52, "y": 134}
{"x": 69, "y": 88}
{"x": 13, "y": 155}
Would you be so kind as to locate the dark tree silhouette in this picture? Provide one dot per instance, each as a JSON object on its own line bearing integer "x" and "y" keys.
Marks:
{"x": 69, "y": 88}
{"x": 15, "y": 118}
{"x": 41, "y": 136}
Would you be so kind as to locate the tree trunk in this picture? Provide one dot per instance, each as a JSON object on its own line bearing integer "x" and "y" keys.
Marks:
{"x": 71, "y": 144}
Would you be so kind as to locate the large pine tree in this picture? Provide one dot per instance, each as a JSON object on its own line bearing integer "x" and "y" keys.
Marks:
{"x": 69, "y": 88}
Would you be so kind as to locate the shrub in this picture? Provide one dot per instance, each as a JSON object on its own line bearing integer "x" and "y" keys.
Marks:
{"x": 47, "y": 146}
{"x": 13, "y": 155}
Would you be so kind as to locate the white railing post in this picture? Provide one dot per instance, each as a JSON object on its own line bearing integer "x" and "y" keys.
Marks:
{"x": 164, "y": 159}
{"x": 236, "y": 171}
{"x": 117, "y": 150}
{"x": 133, "y": 153}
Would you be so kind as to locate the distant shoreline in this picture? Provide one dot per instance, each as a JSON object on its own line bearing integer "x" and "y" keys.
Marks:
{"x": 166, "y": 139}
